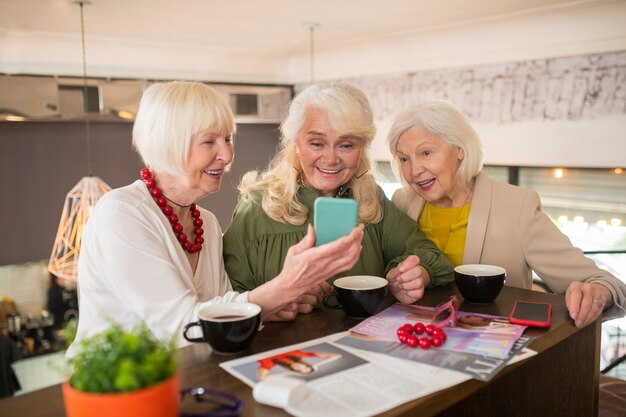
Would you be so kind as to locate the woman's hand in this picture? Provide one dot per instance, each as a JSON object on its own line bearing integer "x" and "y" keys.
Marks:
{"x": 287, "y": 313}
{"x": 302, "y": 279}
{"x": 408, "y": 280}
{"x": 586, "y": 301}
{"x": 307, "y": 266}
{"x": 314, "y": 296}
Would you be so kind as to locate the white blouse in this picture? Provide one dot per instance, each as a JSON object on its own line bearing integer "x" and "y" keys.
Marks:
{"x": 133, "y": 269}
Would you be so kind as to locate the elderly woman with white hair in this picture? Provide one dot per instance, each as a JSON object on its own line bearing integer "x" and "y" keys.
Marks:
{"x": 149, "y": 254}
{"x": 473, "y": 219}
{"x": 324, "y": 152}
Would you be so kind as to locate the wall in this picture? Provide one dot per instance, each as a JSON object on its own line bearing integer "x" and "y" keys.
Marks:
{"x": 567, "y": 111}
{"x": 41, "y": 161}
{"x": 578, "y": 28}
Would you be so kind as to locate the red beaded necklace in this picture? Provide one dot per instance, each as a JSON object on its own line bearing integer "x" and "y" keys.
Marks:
{"x": 161, "y": 201}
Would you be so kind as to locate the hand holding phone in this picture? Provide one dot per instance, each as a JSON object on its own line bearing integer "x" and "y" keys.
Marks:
{"x": 333, "y": 218}
{"x": 529, "y": 313}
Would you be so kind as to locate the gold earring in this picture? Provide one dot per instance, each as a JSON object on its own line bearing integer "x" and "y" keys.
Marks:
{"x": 362, "y": 173}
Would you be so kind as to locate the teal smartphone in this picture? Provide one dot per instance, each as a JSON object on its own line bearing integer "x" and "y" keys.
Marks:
{"x": 333, "y": 218}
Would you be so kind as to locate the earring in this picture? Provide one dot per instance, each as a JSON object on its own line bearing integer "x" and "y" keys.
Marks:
{"x": 362, "y": 173}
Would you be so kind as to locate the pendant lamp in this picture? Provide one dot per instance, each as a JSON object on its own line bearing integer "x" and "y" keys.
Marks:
{"x": 78, "y": 202}
{"x": 311, "y": 26}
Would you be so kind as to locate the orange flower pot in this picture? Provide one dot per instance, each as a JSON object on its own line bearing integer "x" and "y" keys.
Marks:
{"x": 160, "y": 400}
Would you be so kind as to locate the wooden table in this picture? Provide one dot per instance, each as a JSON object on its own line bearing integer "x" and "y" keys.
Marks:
{"x": 561, "y": 380}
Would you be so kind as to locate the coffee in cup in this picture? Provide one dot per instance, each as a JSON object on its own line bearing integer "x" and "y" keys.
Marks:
{"x": 358, "y": 296}
{"x": 228, "y": 327}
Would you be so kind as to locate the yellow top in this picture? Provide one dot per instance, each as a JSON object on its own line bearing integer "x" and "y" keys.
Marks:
{"x": 447, "y": 228}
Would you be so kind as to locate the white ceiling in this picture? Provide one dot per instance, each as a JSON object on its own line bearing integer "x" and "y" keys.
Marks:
{"x": 269, "y": 30}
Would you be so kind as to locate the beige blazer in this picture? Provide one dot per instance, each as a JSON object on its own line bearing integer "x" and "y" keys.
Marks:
{"x": 506, "y": 227}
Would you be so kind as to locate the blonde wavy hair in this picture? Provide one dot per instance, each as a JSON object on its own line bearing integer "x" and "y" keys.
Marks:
{"x": 350, "y": 113}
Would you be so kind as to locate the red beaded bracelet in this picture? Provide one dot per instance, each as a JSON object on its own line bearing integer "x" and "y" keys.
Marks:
{"x": 408, "y": 334}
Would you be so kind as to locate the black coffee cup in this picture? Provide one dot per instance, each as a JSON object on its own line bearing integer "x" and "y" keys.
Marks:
{"x": 479, "y": 283}
{"x": 228, "y": 327}
{"x": 358, "y": 296}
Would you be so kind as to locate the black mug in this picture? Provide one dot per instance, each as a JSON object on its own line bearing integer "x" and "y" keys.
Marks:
{"x": 358, "y": 296}
{"x": 228, "y": 327}
{"x": 479, "y": 283}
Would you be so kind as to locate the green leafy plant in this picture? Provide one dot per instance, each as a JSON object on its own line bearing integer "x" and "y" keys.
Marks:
{"x": 121, "y": 361}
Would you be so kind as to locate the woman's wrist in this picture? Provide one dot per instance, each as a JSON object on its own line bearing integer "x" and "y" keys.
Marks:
{"x": 271, "y": 296}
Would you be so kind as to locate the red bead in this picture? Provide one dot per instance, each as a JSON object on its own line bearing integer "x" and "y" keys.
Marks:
{"x": 424, "y": 343}
{"x": 430, "y": 329}
{"x": 409, "y": 328}
{"x": 419, "y": 328}
{"x": 145, "y": 174}
{"x": 412, "y": 341}
{"x": 161, "y": 201}
{"x": 401, "y": 331}
{"x": 437, "y": 340}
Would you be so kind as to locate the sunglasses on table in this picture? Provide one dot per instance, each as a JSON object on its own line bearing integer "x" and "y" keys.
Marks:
{"x": 446, "y": 313}
{"x": 209, "y": 403}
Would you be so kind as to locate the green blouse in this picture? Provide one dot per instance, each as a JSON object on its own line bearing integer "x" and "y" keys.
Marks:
{"x": 255, "y": 246}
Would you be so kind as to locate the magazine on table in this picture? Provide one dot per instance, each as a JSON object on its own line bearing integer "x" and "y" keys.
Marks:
{"x": 336, "y": 380}
{"x": 480, "y": 346}
{"x": 478, "y": 367}
{"x": 478, "y": 334}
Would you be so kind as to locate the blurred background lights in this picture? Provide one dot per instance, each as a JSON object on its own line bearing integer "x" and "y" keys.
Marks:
{"x": 616, "y": 222}
{"x": 558, "y": 173}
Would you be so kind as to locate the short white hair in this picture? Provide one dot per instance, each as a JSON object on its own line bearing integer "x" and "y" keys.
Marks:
{"x": 445, "y": 120}
{"x": 170, "y": 114}
{"x": 348, "y": 110}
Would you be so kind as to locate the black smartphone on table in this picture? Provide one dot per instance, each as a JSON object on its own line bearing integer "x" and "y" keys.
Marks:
{"x": 530, "y": 313}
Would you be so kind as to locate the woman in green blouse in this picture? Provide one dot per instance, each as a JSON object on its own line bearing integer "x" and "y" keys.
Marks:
{"x": 324, "y": 152}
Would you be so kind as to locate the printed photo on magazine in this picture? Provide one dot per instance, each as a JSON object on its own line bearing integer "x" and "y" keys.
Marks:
{"x": 307, "y": 363}
{"x": 478, "y": 334}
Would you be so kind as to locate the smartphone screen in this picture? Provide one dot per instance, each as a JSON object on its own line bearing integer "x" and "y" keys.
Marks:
{"x": 333, "y": 218}
{"x": 531, "y": 313}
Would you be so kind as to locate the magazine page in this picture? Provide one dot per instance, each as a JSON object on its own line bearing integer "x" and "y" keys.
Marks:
{"x": 341, "y": 381}
{"x": 478, "y": 334}
{"x": 478, "y": 367}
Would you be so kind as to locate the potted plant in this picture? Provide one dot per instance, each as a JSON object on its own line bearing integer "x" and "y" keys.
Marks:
{"x": 123, "y": 374}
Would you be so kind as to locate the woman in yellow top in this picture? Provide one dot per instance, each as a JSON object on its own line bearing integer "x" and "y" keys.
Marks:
{"x": 475, "y": 220}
